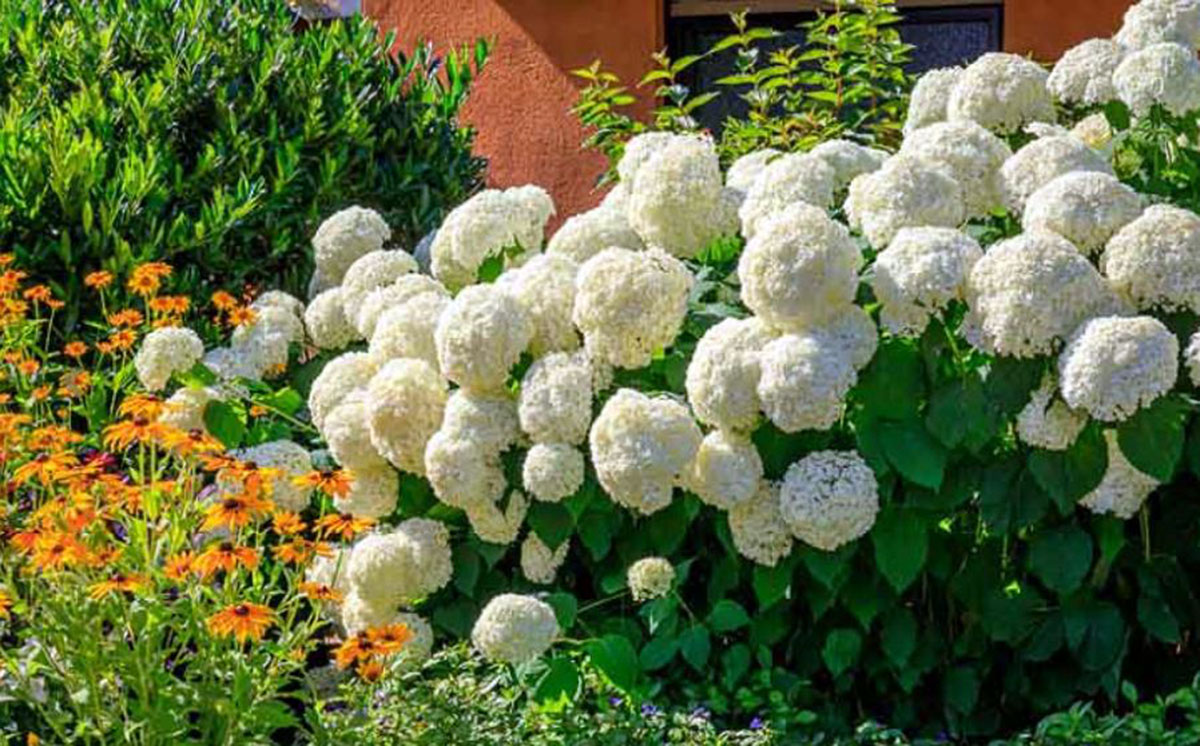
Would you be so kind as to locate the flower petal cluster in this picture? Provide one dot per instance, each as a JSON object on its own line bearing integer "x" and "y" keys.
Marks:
{"x": 1165, "y": 74}
{"x": 480, "y": 336}
{"x": 545, "y": 288}
{"x": 727, "y": 469}
{"x": 404, "y": 404}
{"x": 722, "y": 377}
{"x": 1151, "y": 22}
{"x": 829, "y": 498}
{"x": 552, "y": 471}
{"x": 650, "y": 578}
{"x": 757, "y": 527}
{"x": 804, "y": 382}
{"x": 289, "y": 459}
{"x": 407, "y": 330}
{"x": 326, "y": 322}
{"x": 340, "y": 376}
{"x": 493, "y": 222}
{"x": 1154, "y": 261}
{"x": 1003, "y": 92}
{"x": 1046, "y": 421}
{"x": 401, "y": 566}
{"x": 1084, "y": 207}
{"x": 1042, "y": 161}
{"x": 1084, "y": 74}
{"x": 373, "y": 493}
{"x": 1114, "y": 366}
{"x": 848, "y": 160}
{"x": 972, "y": 155}
{"x": 920, "y": 273}
{"x": 555, "y": 404}
{"x": 372, "y": 271}
{"x": 341, "y": 240}
{"x": 583, "y": 236}
{"x": 927, "y": 102}
{"x": 540, "y": 563}
{"x": 165, "y": 352}
{"x": 905, "y": 192}
{"x": 675, "y": 196}
{"x": 784, "y": 182}
{"x": 1123, "y": 489}
{"x": 514, "y": 629}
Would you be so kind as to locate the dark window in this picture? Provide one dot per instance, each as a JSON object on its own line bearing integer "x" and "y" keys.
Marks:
{"x": 941, "y": 37}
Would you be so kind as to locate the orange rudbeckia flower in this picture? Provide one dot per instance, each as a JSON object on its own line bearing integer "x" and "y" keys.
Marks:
{"x": 242, "y": 621}
{"x": 334, "y": 482}
{"x": 345, "y": 525}
{"x": 116, "y": 583}
{"x": 225, "y": 556}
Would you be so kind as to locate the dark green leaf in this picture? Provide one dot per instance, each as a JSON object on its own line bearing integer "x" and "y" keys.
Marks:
{"x": 224, "y": 424}
{"x": 841, "y": 650}
{"x": 1152, "y": 439}
{"x": 1061, "y": 557}
{"x": 695, "y": 645}
{"x": 898, "y": 637}
{"x": 560, "y": 682}
{"x": 1068, "y": 475}
{"x": 658, "y": 652}
{"x": 913, "y": 452}
{"x": 727, "y": 616}
{"x": 566, "y": 608}
{"x": 614, "y": 656}
{"x": 552, "y": 522}
{"x": 892, "y": 385}
{"x": 772, "y": 584}
{"x": 901, "y": 544}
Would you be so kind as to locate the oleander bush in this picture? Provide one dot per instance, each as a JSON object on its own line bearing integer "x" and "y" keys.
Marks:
{"x": 215, "y": 136}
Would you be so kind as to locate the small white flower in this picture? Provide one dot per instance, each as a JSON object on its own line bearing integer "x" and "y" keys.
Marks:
{"x": 829, "y": 498}
{"x": 514, "y": 629}
{"x": 1114, "y": 366}
{"x": 650, "y": 578}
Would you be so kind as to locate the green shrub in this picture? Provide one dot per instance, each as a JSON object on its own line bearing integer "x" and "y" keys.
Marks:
{"x": 215, "y": 136}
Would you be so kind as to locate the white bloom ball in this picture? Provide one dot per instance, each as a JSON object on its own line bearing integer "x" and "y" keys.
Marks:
{"x": 852, "y": 329}
{"x": 1166, "y": 74}
{"x": 805, "y": 379}
{"x": 555, "y": 404}
{"x": 1123, "y": 489}
{"x": 905, "y": 192}
{"x": 460, "y": 474}
{"x": 1155, "y": 21}
{"x": 675, "y": 195}
{"x": 480, "y": 337}
{"x": 404, "y": 405}
{"x": 970, "y": 154}
{"x": 583, "y": 236}
{"x": 757, "y": 527}
{"x": 184, "y": 410}
{"x": 641, "y": 446}
{"x": 269, "y": 337}
{"x": 1191, "y": 358}
{"x": 339, "y": 377}
{"x": 1084, "y": 207}
{"x": 289, "y": 460}
{"x": 722, "y": 377}
{"x": 927, "y": 104}
{"x": 1030, "y": 291}
{"x": 373, "y": 493}
{"x": 401, "y": 566}
{"x": 639, "y": 150}
{"x": 326, "y": 322}
{"x": 829, "y": 498}
{"x": 1095, "y": 132}
{"x": 514, "y": 629}
{"x": 496, "y": 526}
{"x": 380, "y": 300}
{"x": 799, "y": 268}
{"x": 1114, "y": 366}
{"x": 1047, "y": 422}
{"x": 359, "y": 614}
{"x": 1003, "y": 92}
{"x": 491, "y": 222}
{"x": 165, "y": 352}
{"x": 785, "y": 181}
{"x": 545, "y": 288}
{"x": 744, "y": 171}
{"x": 848, "y": 160}
{"x": 488, "y": 420}
{"x": 630, "y": 304}
{"x": 1084, "y": 73}
{"x": 228, "y": 363}
{"x": 727, "y": 469}
{"x": 279, "y": 299}
{"x": 406, "y": 330}
{"x": 343, "y": 238}
{"x": 348, "y": 435}
{"x": 650, "y": 578}
{"x": 540, "y": 563}
{"x": 375, "y": 270}
{"x": 1042, "y": 161}
{"x": 920, "y": 272}
{"x": 552, "y": 471}
{"x": 1154, "y": 261}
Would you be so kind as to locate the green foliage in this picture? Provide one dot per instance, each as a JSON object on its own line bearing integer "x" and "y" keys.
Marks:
{"x": 215, "y": 136}
{"x": 847, "y": 80}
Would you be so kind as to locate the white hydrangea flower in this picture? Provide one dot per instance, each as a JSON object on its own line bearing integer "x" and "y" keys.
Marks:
{"x": 404, "y": 405}
{"x": 540, "y": 563}
{"x": 650, "y": 578}
{"x": 829, "y": 498}
{"x": 496, "y": 526}
{"x": 460, "y": 474}
{"x": 970, "y": 154}
{"x": 1030, "y": 291}
{"x": 1166, "y": 74}
{"x": 406, "y": 330}
{"x": 184, "y": 409}
{"x": 1003, "y": 92}
{"x": 921, "y": 272}
{"x": 927, "y": 104}
{"x": 799, "y": 268}
{"x": 744, "y": 171}
{"x": 489, "y": 421}
{"x": 269, "y": 336}
{"x": 722, "y": 377}
{"x": 805, "y": 379}
{"x": 348, "y": 435}
{"x": 358, "y": 614}
{"x": 228, "y": 364}
{"x": 330, "y": 570}
{"x": 640, "y": 149}
{"x": 785, "y": 181}
{"x": 279, "y": 299}
{"x": 339, "y": 377}
{"x": 641, "y": 447}
{"x": 675, "y": 195}
{"x": 545, "y": 288}
{"x": 1123, "y": 489}
{"x": 630, "y": 304}
{"x": 403, "y": 565}
{"x": 1047, "y": 422}
{"x": 290, "y": 460}
{"x": 1114, "y": 366}
{"x": 852, "y": 329}
{"x": 343, "y": 238}
{"x": 373, "y": 493}
{"x": 381, "y": 300}
{"x": 1191, "y": 358}
{"x": 326, "y": 322}
{"x": 848, "y": 160}
{"x": 1095, "y": 132}
{"x": 1042, "y": 161}
{"x": 584, "y": 235}
{"x": 491, "y": 222}
{"x": 480, "y": 337}
{"x": 552, "y": 471}
{"x": 905, "y": 192}
{"x": 1152, "y": 22}
{"x": 555, "y": 404}
{"x": 375, "y": 270}
{"x": 1154, "y": 261}
{"x": 727, "y": 469}
{"x": 165, "y": 352}
{"x": 1084, "y": 73}
{"x": 1084, "y": 207}
{"x": 514, "y": 629}
{"x": 757, "y": 527}
{"x": 726, "y": 222}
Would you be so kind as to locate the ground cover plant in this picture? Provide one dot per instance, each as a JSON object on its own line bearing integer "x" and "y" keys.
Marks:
{"x": 817, "y": 439}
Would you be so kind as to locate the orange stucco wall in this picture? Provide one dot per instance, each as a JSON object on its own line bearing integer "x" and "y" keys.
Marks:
{"x": 1047, "y": 28}
{"x": 521, "y": 104}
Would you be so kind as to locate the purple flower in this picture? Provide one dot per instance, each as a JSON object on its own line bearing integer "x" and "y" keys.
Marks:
{"x": 649, "y": 709}
{"x": 614, "y": 701}
{"x": 701, "y": 712}
{"x": 757, "y": 723}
